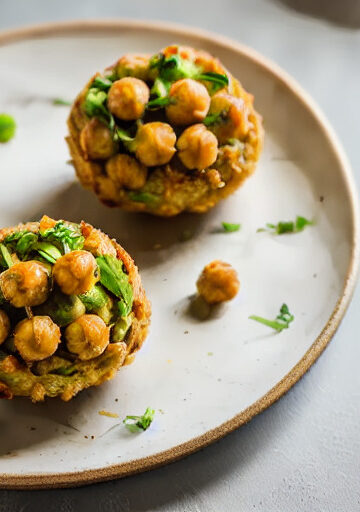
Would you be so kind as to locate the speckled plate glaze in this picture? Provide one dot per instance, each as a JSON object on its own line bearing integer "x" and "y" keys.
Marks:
{"x": 203, "y": 378}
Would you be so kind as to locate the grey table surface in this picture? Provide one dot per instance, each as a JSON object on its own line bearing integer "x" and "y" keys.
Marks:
{"x": 302, "y": 454}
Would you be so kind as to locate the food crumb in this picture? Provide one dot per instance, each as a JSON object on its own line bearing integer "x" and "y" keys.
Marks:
{"x": 185, "y": 235}
{"x": 186, "y": 332}
{"x": 32, "y": 428}
{"x": 322, "y": 199}
{"x": 210, "y": 353}
{"x": 169, "y": 361}
{"x": 108, "y": 414}
{"x": 156, "y": 247}
{"x": 161, "y": 411}
{"x": 116, "y": 399}
{"x": 175, "y": 312}
{"x": 92, "y": 437}
{"x": 86, "y": 437}
{"x": 314, "y": 275}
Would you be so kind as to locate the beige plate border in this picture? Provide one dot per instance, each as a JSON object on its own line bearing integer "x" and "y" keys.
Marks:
{"x": 72, "y": 479}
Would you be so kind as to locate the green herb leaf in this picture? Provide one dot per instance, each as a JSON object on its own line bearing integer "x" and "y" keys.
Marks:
{"x": 230, "y": 228}
{"x": 25, "y": 244}
{"x": 283, "y": 227}
{"x": 113, "y": 277}
{"x": 65, "y": 371}
{"x": 218, "y": 81}
{"x": 60, "y": 101}
{"x": 123, "y": 135}
{"x": 7, "y": 127}
{"x": 102, "y": 83}
{"x": 47, "y": 251}
{"x": 215, "y": 118}
{"x": 174, "y": 67}
{"x": 160, "y": 89}
{"x": 143, "y": 197}
{"x": 140, "y": 423}
{"x": 6, "y": 255}
{"x": 158, "y": 103}
{"x": 67, "y": 236}
{"x": 282, "y": 321}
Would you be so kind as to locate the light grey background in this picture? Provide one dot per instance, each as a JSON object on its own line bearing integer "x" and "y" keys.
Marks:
{"x": 303, "y": 454}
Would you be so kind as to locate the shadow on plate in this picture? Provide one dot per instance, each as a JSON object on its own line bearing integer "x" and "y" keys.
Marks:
{"x": 345, "y": 13}
{"x": 143, "y": 236}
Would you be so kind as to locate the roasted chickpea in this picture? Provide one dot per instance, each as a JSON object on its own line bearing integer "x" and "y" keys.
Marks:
{"x": 96, "y": 140}
{"x": 190, "y": 102}
{"x": 155, "y": 143}
{"x": 126, "y": 171}
{"x": 76, "y": 272}
{"x": 25, "y": 284}
{"x": 127, "y": 98}
{"x": 198, "y": 147}
{"x": 87, "y": 337}
{"x": 133, "y": 65}
{"x": 218, "y": 282}
{"x": 36, "y": 338}
{"x": 4, "y": 326}
{"x": 234, "y": 117}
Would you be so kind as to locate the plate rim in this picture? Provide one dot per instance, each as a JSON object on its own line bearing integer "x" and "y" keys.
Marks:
{"x": 78, "y": 478}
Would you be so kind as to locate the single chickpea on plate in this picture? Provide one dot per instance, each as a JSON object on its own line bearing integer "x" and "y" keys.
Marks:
{"x": 164, "y": 133}
{"x": 72, "y": 309}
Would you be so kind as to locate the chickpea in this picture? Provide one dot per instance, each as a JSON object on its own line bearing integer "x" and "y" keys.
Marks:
{"x": 76, "y": 272}
{"x": 218, "y": 282}
{"x": 4, "y": 326}
{"x": 155, "y": 143}
{"x": 36, "y": 338}
{"x": 96, "y": 140}
{"x": 198, "y": 147}
{"x": 235, "y": 123}
{"x": 127, "y": 98}
{"x": 126, "y": 171}
{"x": 190, "y": 102}
{"x": 25, "y": 284}
{"x": 133, "y": 65}
{"x": 87, "y": 337}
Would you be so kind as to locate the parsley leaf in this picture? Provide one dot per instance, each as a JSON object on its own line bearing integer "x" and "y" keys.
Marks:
{"x": 113, "y": 277}
{"x": 139, "y": 423}
{"x": 230, "y": 228}
{"x": 7, "y": 127}
{"x": 282, "y": 227}
{"x": 282, "y": 321}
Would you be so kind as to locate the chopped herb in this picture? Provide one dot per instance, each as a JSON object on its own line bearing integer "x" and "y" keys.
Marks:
{"x": 95, "y": 106}
{"x": 140, "y": 423}
{"x": 66, "y": 236}
{"x": 65, "y": 371}
{"x": 6, "y": 257}
{"x": 25, "y": 244}
{"x": 143, "y": 197}
{"x": 160, "y": 89}
{"x": 48, "y": 251}
{"x": 113, "y": 277}
{"x": 102, "y": 83}
{"x": 7, "y": 127}
{"x": 287, "y": 226}
{"x": 123, "y": 135}
{"x": 230, "y": 228}
{"x": 215, "y": 118}
{"x": 158, "y": 103}
{"x": 218, "y": 81}
{"x": 60, "y": 101}
{"x": 282, "y": 321}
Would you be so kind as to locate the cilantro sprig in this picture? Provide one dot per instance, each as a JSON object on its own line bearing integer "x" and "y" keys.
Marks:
{"x": 282, "y": 321}
{"x": 139, "y": 423}
{"x": 229, "y": 227}
{"x": 113, "y": 277}
{"x": 7, "y": 127}
{"x": 283, "y": 227}
{"x": 65, "y": 236}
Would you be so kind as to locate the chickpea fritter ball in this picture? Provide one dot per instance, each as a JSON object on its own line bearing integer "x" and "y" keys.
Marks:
{"x": 155, "y": 143}
{"x": 235, "y": 123}
{"x": 127, "y": 98}
{"x": 36, "y": 338}
{"x": 198, "y": 147}
{"x": 218, "y": 282}
{"x": 126, "y": 171}
{"x": 25, "y": 284}
{"x": 76, "y": 272}
{"x": 4, "y": 326}
{"x": 190, "y": 102}
{"x": 96, "y": 140}
{"x": 87, "y": 337}
{"x": 136, "y": 65}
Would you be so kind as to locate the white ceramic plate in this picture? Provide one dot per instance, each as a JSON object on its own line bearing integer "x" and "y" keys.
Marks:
{"x": 203, "y": 379}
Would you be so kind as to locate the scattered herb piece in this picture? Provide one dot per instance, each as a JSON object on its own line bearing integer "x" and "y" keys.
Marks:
{"x": 230, "y": 228}
{"x": 140, "y": 423}
{"x": 7, "y": 127}
{"x": 108, "y": 414}
{"x": 60, "y": 101}
{"x": 282, "y": 227}
{"x": 113, "y": 277}
{"x": 6, "y": 257}
{"x": 282, "y": 321}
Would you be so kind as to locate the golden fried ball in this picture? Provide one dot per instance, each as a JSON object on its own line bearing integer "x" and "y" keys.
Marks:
{"x": 127, "y": 98}
{"x": 76, "y": 272}
{"x": 4, "y": 326}
{"x": 136, "y": 65}
{"x": 155, "y": 143}
{"x": 87, "y": 337}
{"x": 234, "y": 121}
{"x": 218, "y": 282}
{"x": 36, "y": 338}
{"x": 190, "y": 102}
{"x": 126, "y": 171}
{"x": 25, "y": 284}
{"x": 197, "y": 147}
{"x": 96, "y": 140}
